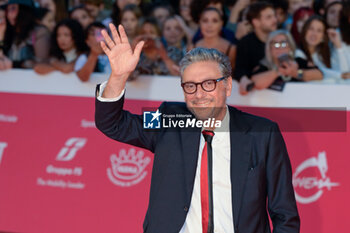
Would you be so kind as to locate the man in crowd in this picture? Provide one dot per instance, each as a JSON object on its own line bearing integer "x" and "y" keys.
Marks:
{"x": 222, "y": 178}
{"x": 251, "y": 48}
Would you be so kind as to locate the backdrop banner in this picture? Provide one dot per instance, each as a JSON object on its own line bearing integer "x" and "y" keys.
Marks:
{"x": 58, "y": 173}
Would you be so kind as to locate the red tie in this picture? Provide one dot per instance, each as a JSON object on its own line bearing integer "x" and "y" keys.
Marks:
{"x": 206, "y": 184}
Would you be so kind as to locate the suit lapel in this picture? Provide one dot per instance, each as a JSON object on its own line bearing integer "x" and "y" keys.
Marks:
{"x": 241, "y": 143}
{"x": 189, "y": 149}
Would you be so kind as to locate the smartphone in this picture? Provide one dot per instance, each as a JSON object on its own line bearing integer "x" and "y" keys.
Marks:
{"x": 284, "y": 58}
{"x": 98, "y": 35}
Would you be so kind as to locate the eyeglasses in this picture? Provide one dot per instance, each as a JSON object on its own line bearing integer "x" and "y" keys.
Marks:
{"x": 281, "y": 44}
{"x": 207, "y": 85}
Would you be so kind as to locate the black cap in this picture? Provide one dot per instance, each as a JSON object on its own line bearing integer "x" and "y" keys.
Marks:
{"x": 28, "y": 3}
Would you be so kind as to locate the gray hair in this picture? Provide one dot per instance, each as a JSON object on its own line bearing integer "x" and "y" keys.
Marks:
{"x": 268, "y": 57}
{"x": 204, "y": 54}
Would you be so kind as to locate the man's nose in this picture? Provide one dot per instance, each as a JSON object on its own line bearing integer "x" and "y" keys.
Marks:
{"x": 200, "y": 92}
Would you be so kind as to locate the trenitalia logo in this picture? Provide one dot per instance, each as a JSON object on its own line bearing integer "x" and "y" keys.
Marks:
{"x": 3, "y": 145}
{"x": 309, "y": 188}
{"x": 70, "y": 149}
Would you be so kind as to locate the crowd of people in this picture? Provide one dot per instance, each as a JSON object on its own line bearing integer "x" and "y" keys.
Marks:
{"x": 268, "y": 43}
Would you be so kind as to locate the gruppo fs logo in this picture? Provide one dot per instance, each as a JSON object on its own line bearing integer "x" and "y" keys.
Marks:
{"x": 151, "y": 120}
{"x": 128, "y": 168}
{"x": 70, "y": 148}
{"x": 308, "y": 186}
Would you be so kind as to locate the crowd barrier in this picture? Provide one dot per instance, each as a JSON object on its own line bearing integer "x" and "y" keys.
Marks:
{"x": 58, "y": 173}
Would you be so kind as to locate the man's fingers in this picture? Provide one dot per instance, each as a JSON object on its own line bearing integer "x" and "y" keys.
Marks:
{"x": 115, "y": 33}
{"x": 107, "y": 39}
{"x": 123, "y": 37}
{"x": 138, "y": 49}
{"x": 104, "y": 47}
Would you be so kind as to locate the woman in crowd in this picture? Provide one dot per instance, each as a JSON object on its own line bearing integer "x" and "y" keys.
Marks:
{"x": 5, "y": 40}
{"x": 210, "y": 24}
{"x": 154, "y": 58}
{"x": 280, "y": 64}
{"x": 95, "y": 60}
{"x": 332, "y": 14}
{"x": 299, "y": 19}
{"x": 185, "y": 13}
{"x": 67, "y": 43}
{"x": 198, "y": 6}
{"x": 117, "y": 8}
{"x": 81, "y": 14}
{"x": 57, "y": 7}
{"x": 173, "y": 39}
{"x": 315, "y": 48}
{"x": 161, "y": 12}
{"x": 46, "y": 18}
{"x": 130, "y": 17}
{"x": 31, "y": 41}
{"x": 344, "y": 27}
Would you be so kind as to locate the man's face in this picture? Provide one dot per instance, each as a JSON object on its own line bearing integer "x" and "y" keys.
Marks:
{"x": 92, "y": 9}
{"x": 205, "y": 104}
{"x": 267, "y": 21}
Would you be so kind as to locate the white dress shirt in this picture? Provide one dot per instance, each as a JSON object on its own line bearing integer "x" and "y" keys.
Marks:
{"x": 222, "y": 198}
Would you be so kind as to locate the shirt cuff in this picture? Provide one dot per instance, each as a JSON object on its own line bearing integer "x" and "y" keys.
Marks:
{"x": 102, "y": 99}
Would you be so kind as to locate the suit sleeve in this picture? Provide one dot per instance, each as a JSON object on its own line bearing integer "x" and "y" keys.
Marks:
{"x": 121, "y": 125}
{"x": 281, "y": 200}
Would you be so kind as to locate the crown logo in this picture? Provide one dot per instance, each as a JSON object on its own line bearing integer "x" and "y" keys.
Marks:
{"x": 128, "y": 167}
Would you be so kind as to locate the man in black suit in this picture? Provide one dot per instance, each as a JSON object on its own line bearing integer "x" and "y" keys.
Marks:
{"x": 225, "y": 179}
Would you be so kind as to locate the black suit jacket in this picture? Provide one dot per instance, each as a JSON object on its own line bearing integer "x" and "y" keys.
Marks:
{"x": 261, "y": 176}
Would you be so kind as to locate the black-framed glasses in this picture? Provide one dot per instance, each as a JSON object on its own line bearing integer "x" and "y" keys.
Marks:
{"x": 281, "y": 44}
{"x": 207, "y": 85}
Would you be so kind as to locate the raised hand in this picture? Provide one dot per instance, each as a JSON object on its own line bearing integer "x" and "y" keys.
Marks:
{"x": 334, "y": 37}
{"x": 122, "y": 58}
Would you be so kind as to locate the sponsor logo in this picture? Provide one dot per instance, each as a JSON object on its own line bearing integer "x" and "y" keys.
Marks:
{"x": 70, "y": 149}
{"x": 87, "y": 124}
{"x": 128, "y": 168}
{"x": 64, "y": 177}
{"x": 8, "y": 118}
{"x": 3, "y": 145}
{"x": 309, "y": 186}
{"x": 151, "y": 120}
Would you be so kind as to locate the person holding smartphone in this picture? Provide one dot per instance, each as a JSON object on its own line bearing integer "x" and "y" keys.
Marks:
{"x": 280, "y": 65}
{"x": 154, "y": 59}
{"x": 95, "y": 60}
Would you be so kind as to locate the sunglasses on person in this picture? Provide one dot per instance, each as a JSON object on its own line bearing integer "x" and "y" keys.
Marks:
{"x": 280, "y": 44}
{"x": 207, "y": 85}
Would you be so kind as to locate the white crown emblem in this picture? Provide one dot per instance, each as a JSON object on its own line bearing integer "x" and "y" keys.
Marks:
{"x": 128, "y": 168}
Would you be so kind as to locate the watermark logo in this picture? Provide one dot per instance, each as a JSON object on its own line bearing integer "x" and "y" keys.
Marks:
{"x": 128, "y": 168}
{"x": 70, "y": 148}
{"x": 157, "y": 120}
{"x": 309, "y": 188}
{"x": 151, "y": 120}
{"x": 3, "y": 145}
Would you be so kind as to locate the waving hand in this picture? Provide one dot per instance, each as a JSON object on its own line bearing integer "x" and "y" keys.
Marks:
{"x": 122, "y": 58}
